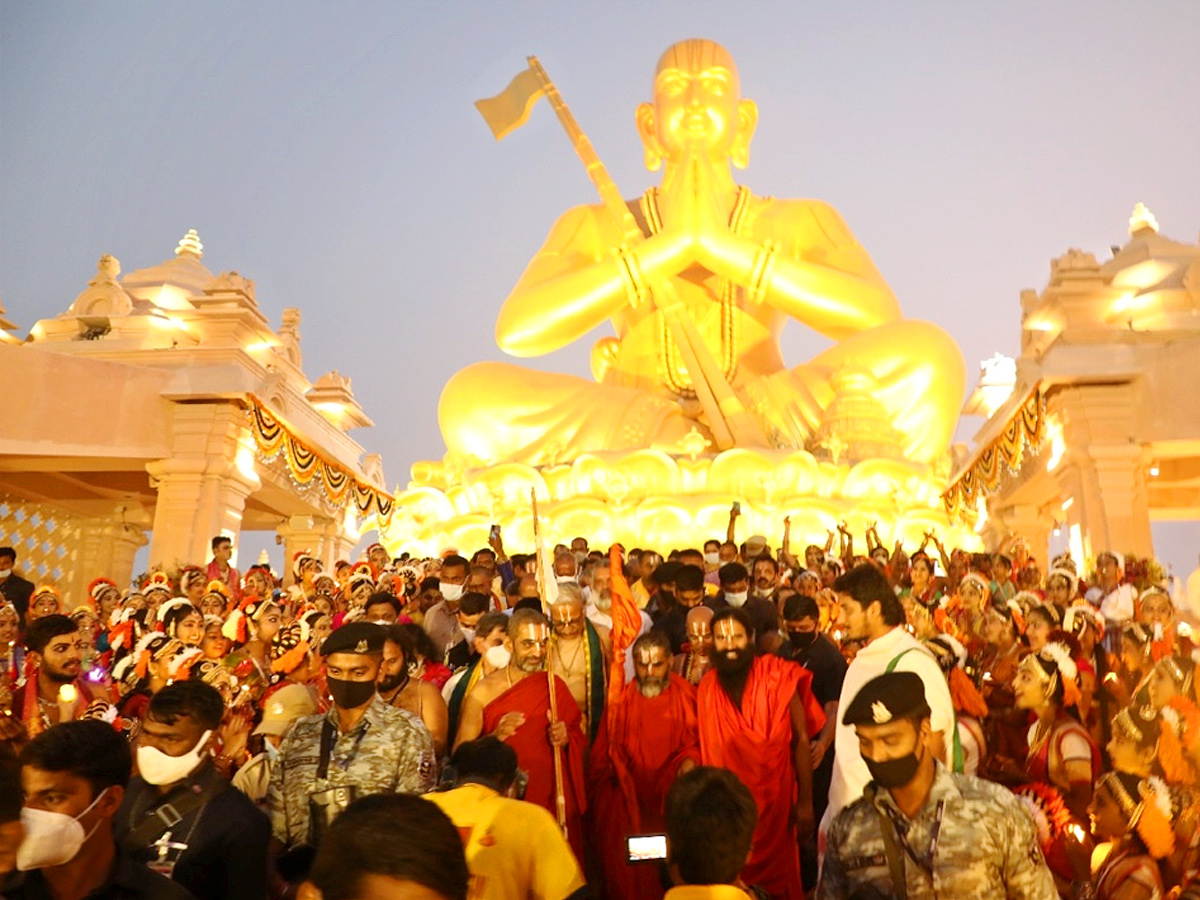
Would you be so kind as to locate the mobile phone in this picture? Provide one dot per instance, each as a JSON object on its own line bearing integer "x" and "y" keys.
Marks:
{"x": 737, "y": 506}
{"x": 494, "y": 534}
{"x": 646, "y": 848}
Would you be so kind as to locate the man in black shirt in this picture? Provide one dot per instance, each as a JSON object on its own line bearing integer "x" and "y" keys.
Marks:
{"x": 74, "y": 778}
{"x": 180, "y": 816}
{"x": 817, "y": 653}
{"x": 689, "y": 593}
{"x": 13, "y": 588}
{"x": 735, "y": 591}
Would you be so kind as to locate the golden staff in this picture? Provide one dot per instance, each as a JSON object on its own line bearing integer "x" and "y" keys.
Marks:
{"x": 560, "y": 798}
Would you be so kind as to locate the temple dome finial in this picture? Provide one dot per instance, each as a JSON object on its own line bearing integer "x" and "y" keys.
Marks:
{"x": 190, "y": 245}
{"x": 1142, "y": 218}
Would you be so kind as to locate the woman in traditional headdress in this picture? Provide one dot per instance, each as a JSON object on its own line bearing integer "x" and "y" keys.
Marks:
{"x": 1135, "y": 815}
{"x": 1157, "y": 613}
{"x": 12, "y": 653}
{"x": 45, "y": 601}
{"x": 1135, "y": 663}
{"x": 1086, "y": 626}
{"x": 1134, "y": 745}
{"x": 969, "y": 706}
{"x": 193, "y": 582}
{"x": 214, "y": 645}
{"x": 252, "y": 626}
{"x": 922, "y": 588}
{"x": 291, "y": 658}
{"x": 1041, "y": 621}
{"x": 1171, "y": 677}
{"x": 968, "y": 610}
{"x": 1062, "y": 589}
{"x": 180, "y": 619}
{"x": 215, "y": 600}
{"x": 144, "y": 671}
{"x": 1061, "y": 750}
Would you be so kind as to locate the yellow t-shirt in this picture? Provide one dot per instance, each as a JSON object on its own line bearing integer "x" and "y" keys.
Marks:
{"x": 514, "y": 849}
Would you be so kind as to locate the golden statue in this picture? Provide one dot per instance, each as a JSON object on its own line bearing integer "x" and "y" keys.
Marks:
{"x": 698, "y": 297}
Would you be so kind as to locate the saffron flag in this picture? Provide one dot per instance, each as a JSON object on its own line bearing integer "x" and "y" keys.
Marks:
{"x": 509, "y": 110}
{"x": 626, "y": 623}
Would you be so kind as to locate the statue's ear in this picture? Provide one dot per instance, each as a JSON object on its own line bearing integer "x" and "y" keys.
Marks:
{"x": 646, "y": 128}
{"x": 747, "y": 122}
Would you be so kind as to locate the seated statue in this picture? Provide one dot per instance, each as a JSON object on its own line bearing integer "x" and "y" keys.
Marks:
{"x": 708, "y": 285}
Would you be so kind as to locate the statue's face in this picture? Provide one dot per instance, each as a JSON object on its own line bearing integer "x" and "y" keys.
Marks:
{"x": 696, "y": 106}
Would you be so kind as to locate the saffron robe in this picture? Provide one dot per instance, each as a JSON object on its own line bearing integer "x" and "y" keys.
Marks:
{"x": 631, "y": 769}
{"x": 535, "y": 754}
{"x": 755, "y": 743}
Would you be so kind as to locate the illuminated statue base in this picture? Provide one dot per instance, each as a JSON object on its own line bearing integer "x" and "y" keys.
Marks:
{"x": 646, "y": 498}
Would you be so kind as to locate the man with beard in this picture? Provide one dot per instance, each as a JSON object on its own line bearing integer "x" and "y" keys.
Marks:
{"x": 653, "y": 739}
{"x": 413, "y": 695}
{"x": 697, "y": 657}
{"x": 361, "y": 746}
{"x": 514, "y": 705}
{"x": 55, "y": 652}
{"x": 763, "y": 613}
{"x": 579, "y": 654}
{"x": 756, "y": 713}
{"x": 599, "y": 606}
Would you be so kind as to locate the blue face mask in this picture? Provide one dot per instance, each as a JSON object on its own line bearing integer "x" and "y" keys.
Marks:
{"x": 272, "y": 752}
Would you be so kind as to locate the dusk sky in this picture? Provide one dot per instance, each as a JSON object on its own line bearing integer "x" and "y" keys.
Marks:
{"x": 331, "y": 152}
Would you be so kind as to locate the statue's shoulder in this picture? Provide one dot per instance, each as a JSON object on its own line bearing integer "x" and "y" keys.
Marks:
{"x": 802, "y": 218}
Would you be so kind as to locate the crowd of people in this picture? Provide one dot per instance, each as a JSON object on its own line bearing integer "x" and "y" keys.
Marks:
{"x": 725, "y": 721}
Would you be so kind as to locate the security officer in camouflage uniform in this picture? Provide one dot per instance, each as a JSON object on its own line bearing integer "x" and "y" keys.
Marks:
{"x": 920, "y": 831}
{"x": 361, "y": 746}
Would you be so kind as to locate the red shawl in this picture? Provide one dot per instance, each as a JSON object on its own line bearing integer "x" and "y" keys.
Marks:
{"x": 755, "y": 743}
{"x": 631, "y": 772}
{"x": 531, "y": 696}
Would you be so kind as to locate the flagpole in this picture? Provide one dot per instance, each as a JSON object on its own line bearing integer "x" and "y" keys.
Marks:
{"x": 560, "y": 799}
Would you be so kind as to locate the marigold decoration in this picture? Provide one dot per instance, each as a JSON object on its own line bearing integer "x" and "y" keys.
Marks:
{"x": 157, "y": 581}
{"x": 965, "y": 696}
{"x": 1023, "y": 434}
{"x": 1153, "y": 818}
{"x": 289, "y": 648}
{"x": 1175, "y": 764}
{"x": 306, "y": 466}
{"x": 1050, "y": 815}
{"x": 1189, "y": 719}
{"x": 181, "y": 664}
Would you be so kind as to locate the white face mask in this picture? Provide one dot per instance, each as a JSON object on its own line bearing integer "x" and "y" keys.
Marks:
{"x": 451, "y": 591}
{"x": 157, "y": 768}
{"x": 468, "y": 635}
{"x": 712, "y": 558}
{"x": 762, "y": 592}
{"x": 497, "y": 657}
{"x": 565, "y": 579}
{"x": 4, "y": 573}
{"x": 580, "y": 556}
{"x": 51, "y": 838}
{"x": 272, "y": 751}
{"x": 738, "y": 599}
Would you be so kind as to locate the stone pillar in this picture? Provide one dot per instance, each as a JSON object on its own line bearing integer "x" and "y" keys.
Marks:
{"x": 341, "y": 535}
{"x": 203, "y": 486}
{"x": 304, "y": 533}
{"x": 1102, "y": 476}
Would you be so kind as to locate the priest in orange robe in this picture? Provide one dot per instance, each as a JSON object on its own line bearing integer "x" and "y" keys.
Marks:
{"x": 513, "y": 703}
{"x": 650, "y": 739}
{"x": 756, "y": 712}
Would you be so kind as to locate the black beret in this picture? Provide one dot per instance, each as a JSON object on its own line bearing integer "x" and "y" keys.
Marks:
{"x": 357, "y": 637}
{"x": 894, "y": 695}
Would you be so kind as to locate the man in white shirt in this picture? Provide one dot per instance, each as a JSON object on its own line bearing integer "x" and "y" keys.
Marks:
{"x": 1114, "y": 599}
{"x": 872, "y": 612}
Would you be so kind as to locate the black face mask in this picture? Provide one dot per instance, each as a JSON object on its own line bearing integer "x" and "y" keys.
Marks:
{"x": 893, "y": 773}
{"x": 802, "y": 640}
{"x": 350, "y": 694}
